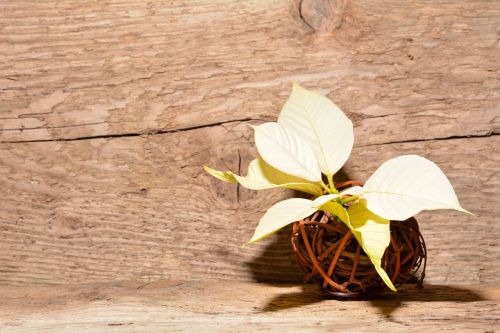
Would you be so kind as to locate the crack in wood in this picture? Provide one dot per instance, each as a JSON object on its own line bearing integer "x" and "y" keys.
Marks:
{"x": 239, "y": 173}
{"x": 302, "y": 16}
{"x": 144, "y": 133}
{"x": 453, "y": 137}
{"x": 155, "y": 132}
{"x": 220, "y": 123}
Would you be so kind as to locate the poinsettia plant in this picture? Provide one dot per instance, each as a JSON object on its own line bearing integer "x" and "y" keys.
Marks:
{"x": 302, "y": 151}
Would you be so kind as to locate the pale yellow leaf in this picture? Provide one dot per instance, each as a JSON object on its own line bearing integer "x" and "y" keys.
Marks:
{"x": 282, "y": 214}
{"x": 285, "y": 151}
{"x": 373, "y": 234}
{"x": 226, "y": 176}
{"x": 321, "y": 124}
{"x": 406, "y": 185}
{"x": 337, "y": 210}
{"x": 262, "y": 176}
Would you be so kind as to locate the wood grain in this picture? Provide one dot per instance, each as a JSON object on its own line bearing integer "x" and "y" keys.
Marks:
{"x": 142, "y": 208}
{"x": 109, "y": 110}
{"x": 403, "y": 70}
{"x": 175, "y": 306}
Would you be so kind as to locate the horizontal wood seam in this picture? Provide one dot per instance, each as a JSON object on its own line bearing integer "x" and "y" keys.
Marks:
{"x": 453, "y": 137}
{"x": 145, "y": 133}
{"x": 191, "y": 128}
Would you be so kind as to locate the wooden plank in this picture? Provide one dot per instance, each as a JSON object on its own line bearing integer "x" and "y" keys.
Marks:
{"x": 174, "y": 306}
{"x": 72, "y": 69}
{"x": 142, "y": 208}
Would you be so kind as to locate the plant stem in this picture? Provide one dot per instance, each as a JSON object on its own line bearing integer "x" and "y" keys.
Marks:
{"x": 326, "y": 188}
{"x": 332, "y": 186}
{"x": 349, "y": 199}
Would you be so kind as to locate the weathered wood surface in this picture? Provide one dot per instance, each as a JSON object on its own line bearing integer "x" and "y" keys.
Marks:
{"x": 143, "y": 208}
{"x": 174, "y": 306}
{"x": 109, "y": 110}
{"x": 73, "y": 69}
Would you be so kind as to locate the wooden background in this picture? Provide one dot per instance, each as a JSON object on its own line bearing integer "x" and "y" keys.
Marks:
{"x": 109, "y": 110}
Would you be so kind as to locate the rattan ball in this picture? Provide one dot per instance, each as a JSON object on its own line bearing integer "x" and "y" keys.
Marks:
{"x": 328, "y": 253}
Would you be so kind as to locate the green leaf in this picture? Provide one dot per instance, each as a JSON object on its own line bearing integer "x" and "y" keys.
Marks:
{"x": 322, "y": 125}
{"x": 373, "y": 234}
{"x": 405, "y": 185}
{"x": 262, "y": 176}
{"x": 282, "y": 214}
{"x": 283, "y": 150}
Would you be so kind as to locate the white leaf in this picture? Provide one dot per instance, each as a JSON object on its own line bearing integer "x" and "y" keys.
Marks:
{"x": 406, "y": 185}
{"x": 262, "y": 176}
{"x": 355, "y": 190}
{"x": 282, "y": 214}
{"x": 373, "y": 234}
{"x": 321, "y": 124}
{"x": 282, "y": 149}
{"x": 320, "y": 201}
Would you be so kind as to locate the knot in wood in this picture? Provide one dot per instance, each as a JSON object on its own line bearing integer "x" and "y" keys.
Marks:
{"x": 322, "y": 15}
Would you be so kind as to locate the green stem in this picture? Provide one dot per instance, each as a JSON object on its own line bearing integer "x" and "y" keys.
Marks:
{"x": 332, "y": 186}
{"x": 326, "y": 188}
{"x": 349, "y": 199}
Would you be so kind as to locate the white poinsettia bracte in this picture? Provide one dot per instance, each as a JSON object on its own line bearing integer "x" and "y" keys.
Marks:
{"x": 322, "y": 125}
{"x": 314, "y": 137}
{"x": 285, "y": 151}
{"x": 403, "y": 186}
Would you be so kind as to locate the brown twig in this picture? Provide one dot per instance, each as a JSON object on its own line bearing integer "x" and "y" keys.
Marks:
{"x": 327, "y": 253}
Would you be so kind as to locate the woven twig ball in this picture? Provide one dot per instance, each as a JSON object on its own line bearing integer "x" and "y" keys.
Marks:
{"x": 327, "y": 252}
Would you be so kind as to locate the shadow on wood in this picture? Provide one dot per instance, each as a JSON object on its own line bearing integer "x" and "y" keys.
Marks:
{"x": 430, "y": 293}
{"x": 386, "y": 305}
{"x": 276, "y": 264}
{"x": 342, "y": 175}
